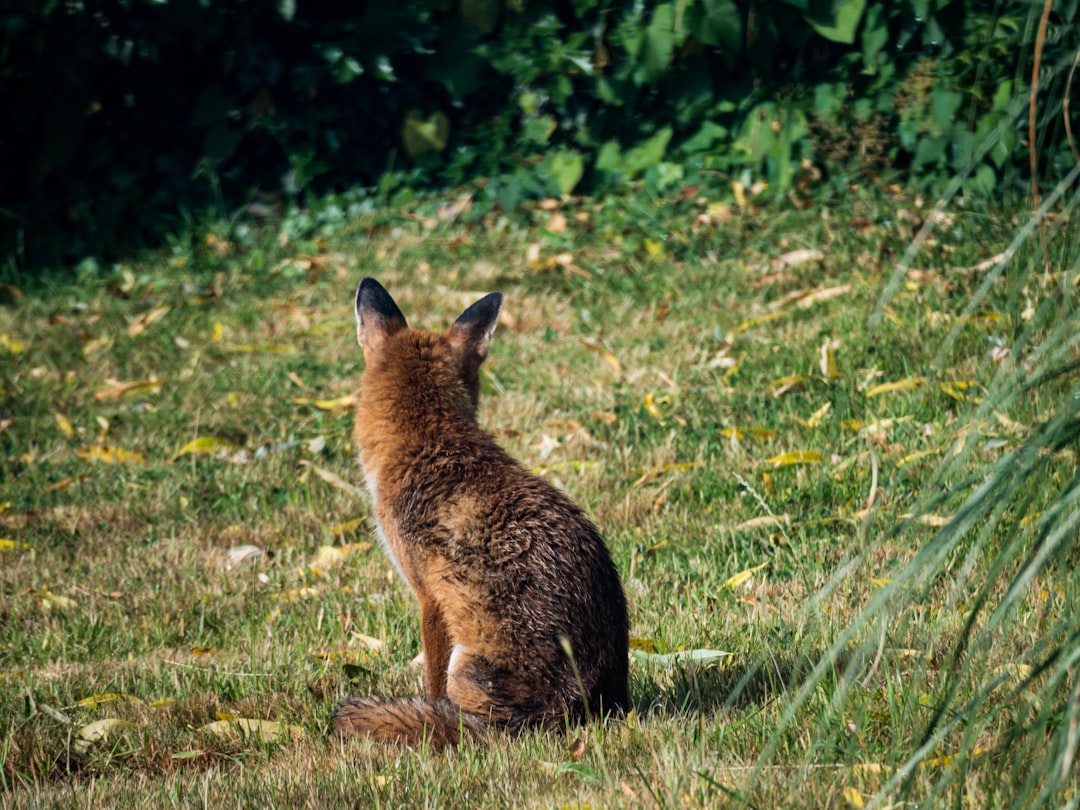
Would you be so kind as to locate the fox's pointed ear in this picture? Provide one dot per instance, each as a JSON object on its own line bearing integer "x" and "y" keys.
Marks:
{"x": 474, "y": 328}
{"x": 377, "y": 316}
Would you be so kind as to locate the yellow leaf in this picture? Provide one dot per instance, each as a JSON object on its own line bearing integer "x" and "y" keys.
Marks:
{"x": 881, "y": 582}
{"x": 909, "y": 384}
{"x": 97, "y": 346}
{"x": 654, "y": 248}
{"x": 118, "y": 389}
{"x": 48, "y": 600}
{"x": 853, "y": 797}
{"x": 761, "y": 522}
{"x": 760, "y": 319}
{"x": 13, "y": 346}
{"x": 741, "y": 433}
{"x": 738, "y": 191}
{"x": 793, "y": 258}
{"x": 268, "y": 348}
{"x": 7, "y": 544}
{"x": 368, "y": 642}
{"x": 742, "y": 577}
{"x": 94, "y": 701}
{"x": 89, "y": 734}
{"x": 207, "y": 446}
{"x": 66, "y": 482}
{"x": 652, "y": 409}
{"x": 828, "y": 359}
{"x": 346, "y": 527}
{"x": 816, "y": 417}
{"x": 109, "y": 455}
{"x": 649, "y": 645}
{"x": 295, "y": 594}
{"x": 609, "y": 358}
{"x": 783, "y": 385}
{"x": 65, "y": 425}
{"x": 821, "y": 294}
{"x": 916, "y": 456}
{"x": 956, "y": 391}
{"x": 794, "y": 457}
{"x": 219, "y": 333}
{"x": 339, "y": 404}
{"x": 232, "y": 728}
{"x": 332, "y": 478}
{"x": 139, "y": 325}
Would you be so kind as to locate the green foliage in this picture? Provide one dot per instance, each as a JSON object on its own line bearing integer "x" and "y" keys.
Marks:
{"x": 134, "y": 111}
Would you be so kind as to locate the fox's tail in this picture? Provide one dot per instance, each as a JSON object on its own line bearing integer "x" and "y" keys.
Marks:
{"x": 409, "y": 721}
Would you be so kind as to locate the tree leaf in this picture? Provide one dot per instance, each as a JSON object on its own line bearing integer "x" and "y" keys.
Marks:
{"x": 742, "y": 577}
{"x": 794, "y": 457}
{"x": 837, "y": 20}
{"x": 117, "y": 389}
{"x": 208, "y": 446}
{"x": 109, "y": 455}
{"x": 909, "y": 384}
{"x": 248, "y": 728}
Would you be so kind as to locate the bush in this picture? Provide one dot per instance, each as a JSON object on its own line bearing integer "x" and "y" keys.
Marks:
{"x": 124, "y": 114}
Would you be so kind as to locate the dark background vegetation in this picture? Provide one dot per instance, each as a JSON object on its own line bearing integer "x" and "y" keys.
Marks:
{"x": 124, "y": 119}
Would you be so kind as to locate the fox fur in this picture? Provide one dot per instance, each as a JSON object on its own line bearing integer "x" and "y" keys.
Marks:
{"x": 509, "y": 574}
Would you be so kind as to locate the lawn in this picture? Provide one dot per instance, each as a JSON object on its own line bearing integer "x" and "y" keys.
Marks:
{"x": 833, "y": 452}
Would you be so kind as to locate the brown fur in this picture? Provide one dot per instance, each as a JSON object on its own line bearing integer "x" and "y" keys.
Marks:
{"x": 505, "y": 568}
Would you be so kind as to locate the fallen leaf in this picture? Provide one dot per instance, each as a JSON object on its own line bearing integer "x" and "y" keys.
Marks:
{"x": 248, "y": 728}
{"x": 346, "y": 527}
{"x": 809, "y": 299}
{"x": 208, "y": 446}
{"x": 740, "y": 433}
{"x": 828, "y": 359}
{"x": 700, "y": 657}
{"x": 118, "y": 389}
{"x": 139, "y": 325}
{"x": 66, "y": 482}
{"x": 6, "y": 544}
{"x": 109, "y": 455}
{"x": 762, "y": 522}
{"x": 801, "y": 256}
{"x": 64, "y": 424}
{"x": 794, "y": 457}
{"x": 742, "y": 577}
{"x": 786, "y": 384}
{"x": 94, "y": 701}
{"x": 760, "y": 319}
{"x": 89, "y": 734}
{"x": 649, "y": 645}
{"x": 13, "y": 346}
{"x": 853, "y": 797}
{"x": 48, "y": 600}
{"x": 609, "y": 358}
{"x": 265, "y": 348}
{"x": 332, "y": 478}
{"x": 909, "y": 384}
{"x": 339, "y": 404}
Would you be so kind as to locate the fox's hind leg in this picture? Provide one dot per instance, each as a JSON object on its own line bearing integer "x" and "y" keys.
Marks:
{"x": 491, "y": 692}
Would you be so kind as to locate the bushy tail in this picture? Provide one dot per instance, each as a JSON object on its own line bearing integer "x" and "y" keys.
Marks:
{"x": 409, "y": 721}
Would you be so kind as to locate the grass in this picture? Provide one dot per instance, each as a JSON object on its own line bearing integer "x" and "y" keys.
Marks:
{"x": 852, "y": 468}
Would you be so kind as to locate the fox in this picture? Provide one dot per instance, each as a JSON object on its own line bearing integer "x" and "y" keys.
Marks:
{"x": 523, "y": 620}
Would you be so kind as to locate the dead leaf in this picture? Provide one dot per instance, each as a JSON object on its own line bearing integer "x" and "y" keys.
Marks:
{"x": 139, "y": 325}
{"x": 117, "y": 389}
{"x": 793, "y": 258}
{"x": 909, "y": 384}
{"x": 742, "y": 577}
{"x": 332, "y": 478}
{"x": 608, "y": 356}
{"x": 232, "y": 728}
{"x": 795, "y": 457}
{"x": 109, "y": 455}
{"x": 64, "y": 424}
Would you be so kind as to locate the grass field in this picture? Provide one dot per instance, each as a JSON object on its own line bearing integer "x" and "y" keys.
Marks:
{"x": 835, "y": 461}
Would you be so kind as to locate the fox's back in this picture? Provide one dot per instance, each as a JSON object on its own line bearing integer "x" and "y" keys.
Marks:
{"x": 520, "y": 602}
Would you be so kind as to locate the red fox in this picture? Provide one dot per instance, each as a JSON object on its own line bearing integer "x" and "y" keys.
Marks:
{"x": 522, "y": 617}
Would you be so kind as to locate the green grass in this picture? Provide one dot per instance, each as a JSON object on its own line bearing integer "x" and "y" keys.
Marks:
{"x": 909, "y": 630}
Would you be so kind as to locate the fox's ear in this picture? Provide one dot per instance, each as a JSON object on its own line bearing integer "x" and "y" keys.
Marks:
{"x": 377, "y": 316}
{"x": 472, "y": 331}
